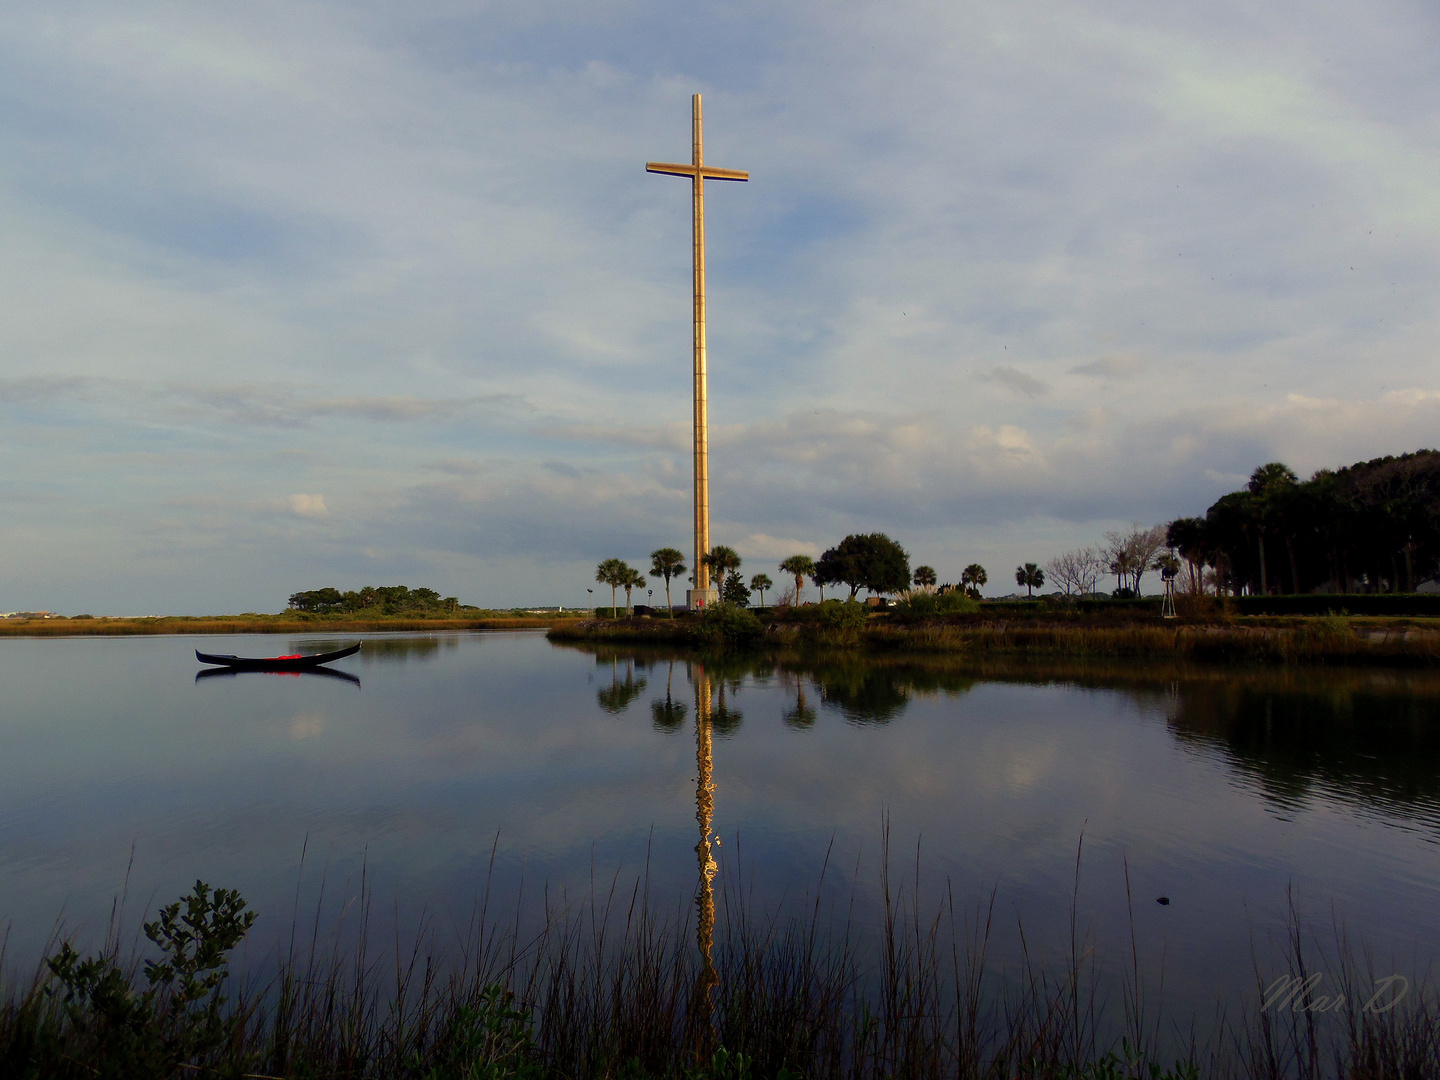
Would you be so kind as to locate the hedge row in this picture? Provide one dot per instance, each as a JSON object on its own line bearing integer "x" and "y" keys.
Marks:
{"x": 1349, "y": 603}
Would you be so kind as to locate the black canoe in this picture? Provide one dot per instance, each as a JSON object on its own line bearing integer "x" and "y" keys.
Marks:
{"x": 275, "y": 663}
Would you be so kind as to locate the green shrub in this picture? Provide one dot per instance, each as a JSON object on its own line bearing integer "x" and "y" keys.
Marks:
{"x": 726, "y": 624}
{"x": 957, "y": 602}
{"x": 923, "y": 605}
{"x": 489, "y": 1040}
{"x": 835, "y": 622}
{"x": 179, "y": 1016}
{"x": 917, "y": 605}
{"x": 832, "y": 614}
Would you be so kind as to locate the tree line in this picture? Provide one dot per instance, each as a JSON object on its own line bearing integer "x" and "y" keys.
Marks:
{"x": 871, "y": 561}
{"x": 375, "y": 600}
{"x": 1373, "y": 526}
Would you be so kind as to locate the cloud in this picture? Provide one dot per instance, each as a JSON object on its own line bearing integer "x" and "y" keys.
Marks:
{"x": 763, "y": 546}
{"x": 307, "y": 506}
{"x": 285, "y": 407}
{"x": 354, "y": 257}
{"x": 671, "y": 436}
{"x": 46, "y": 389}
{"x": 1015, "y": 379}
{"x": 272, "y": 405}
{"x": 1111, "y": 367}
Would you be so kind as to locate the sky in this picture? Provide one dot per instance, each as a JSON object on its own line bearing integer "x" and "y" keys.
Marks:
{"x": 334, "y": 294}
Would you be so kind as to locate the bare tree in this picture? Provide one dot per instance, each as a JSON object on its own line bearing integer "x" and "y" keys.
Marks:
{"x": 1130, "y": 555}
{"x": 1077, "y": 572}
{"x": 1092, "y": 565}
{"x": 1066, "y": 571}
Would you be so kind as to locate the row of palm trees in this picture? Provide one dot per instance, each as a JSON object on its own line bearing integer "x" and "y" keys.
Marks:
{"x": 668, "y": 563}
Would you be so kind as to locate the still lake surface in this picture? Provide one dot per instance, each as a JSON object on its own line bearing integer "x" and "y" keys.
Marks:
{"x": 462, "y": 759}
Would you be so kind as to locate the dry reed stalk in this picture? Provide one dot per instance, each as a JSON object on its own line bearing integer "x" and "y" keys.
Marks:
{"x": 603, "y": 988}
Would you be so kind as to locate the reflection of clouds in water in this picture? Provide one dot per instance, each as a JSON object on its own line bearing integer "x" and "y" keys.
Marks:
{"x": 1026, "y": 769}
{"x": 382, "y": 650}
{"x": 307, "y": 725}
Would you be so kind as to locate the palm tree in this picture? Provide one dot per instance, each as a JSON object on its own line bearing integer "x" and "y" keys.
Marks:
{"x": 800, "y": 567}
{"x": 612, "y": 572}
{"x": 973, "y": 577}
{"x": 925, "y": 577}
{"x": 1269, "y": 484}
{"x": 630, "y": 578}
{"x": 1031, "y": 576}
{"x": 1122, "y": 565}
{"x": 759, "y": 583}
{"x": 722, "y": 560}
{"x": 667, "y": 563}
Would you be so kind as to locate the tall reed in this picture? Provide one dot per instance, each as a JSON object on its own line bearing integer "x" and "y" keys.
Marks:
{"x": 610, "y": 984}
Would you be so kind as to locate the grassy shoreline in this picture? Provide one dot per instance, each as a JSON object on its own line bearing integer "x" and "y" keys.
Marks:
{"x": 289, "y": 623}
{"x": 1317, "y": 639}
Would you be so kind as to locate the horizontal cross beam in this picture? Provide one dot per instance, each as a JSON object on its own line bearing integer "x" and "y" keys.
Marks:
{"x": 705, "y": 171}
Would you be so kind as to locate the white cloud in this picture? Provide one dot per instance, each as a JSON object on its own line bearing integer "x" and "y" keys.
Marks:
{"x": 307, "y": 506}
{"x": 762, "y": 546}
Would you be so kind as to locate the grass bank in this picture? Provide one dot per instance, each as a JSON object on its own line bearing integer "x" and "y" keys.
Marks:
{"x": 288, "y": 623}
{"x": 1321, "y": 639}
{"x": 611, "y": 987}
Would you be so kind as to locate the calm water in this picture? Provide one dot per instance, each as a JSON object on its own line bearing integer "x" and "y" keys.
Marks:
{"x": 1222, "y": 791}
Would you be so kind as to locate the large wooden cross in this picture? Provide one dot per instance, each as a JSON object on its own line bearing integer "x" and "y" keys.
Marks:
{"x": 699, "y": 172}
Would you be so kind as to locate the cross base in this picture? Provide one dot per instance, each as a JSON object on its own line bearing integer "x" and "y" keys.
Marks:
{"x": 699, "y": 599}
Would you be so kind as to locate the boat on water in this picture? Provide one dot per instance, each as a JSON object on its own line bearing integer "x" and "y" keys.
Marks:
{"x": 296, "y": 662}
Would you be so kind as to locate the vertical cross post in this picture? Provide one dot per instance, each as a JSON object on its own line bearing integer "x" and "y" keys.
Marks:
{"x": 699, "y": 172}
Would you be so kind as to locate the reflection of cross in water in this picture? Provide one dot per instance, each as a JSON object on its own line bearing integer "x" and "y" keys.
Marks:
{"x": 702, "y": 1014}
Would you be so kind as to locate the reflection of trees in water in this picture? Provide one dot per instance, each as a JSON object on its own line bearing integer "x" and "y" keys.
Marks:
{"x": 1371, "y": 738}
{"x": 863, "y": 696}
{"x": 876, "y": 692}
{"x": 618, "y": 696}
{"x": 725, "y": 719}
{"x": 668, "y": 715}
{"x": 802, "y": 716}
{"x": 862, "y": 689}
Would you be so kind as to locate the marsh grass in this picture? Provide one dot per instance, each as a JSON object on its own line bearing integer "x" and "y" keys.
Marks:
{"x": 1323, "y": 639}
{"x": 1326, "y": 639}
{"x": 611, "y": 985}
